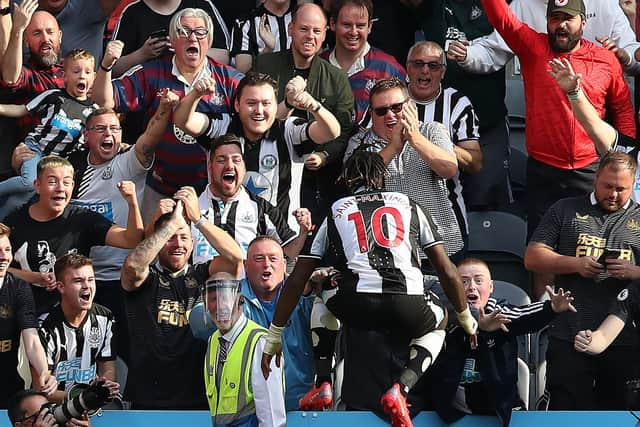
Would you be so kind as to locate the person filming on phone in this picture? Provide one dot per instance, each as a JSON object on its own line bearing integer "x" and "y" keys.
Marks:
{"x": 591, "y": 243}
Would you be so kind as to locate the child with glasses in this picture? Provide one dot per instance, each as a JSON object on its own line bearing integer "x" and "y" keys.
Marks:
{"x": 63, "y": 114}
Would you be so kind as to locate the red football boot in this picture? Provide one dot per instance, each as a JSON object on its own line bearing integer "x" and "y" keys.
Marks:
{"x": 318, "y": 398}
{"x": 395, "y": 404}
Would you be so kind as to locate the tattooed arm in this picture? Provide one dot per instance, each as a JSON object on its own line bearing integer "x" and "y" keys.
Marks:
{"x": 147, "y": 142}
{"x": 136, "y": 266}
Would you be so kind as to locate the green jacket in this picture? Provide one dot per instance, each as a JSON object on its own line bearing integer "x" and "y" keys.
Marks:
{"x": 326, "y": 83}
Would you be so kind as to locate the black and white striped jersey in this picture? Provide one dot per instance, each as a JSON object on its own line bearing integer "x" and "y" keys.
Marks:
{"x": 375, "y": 236}
{"x": 244, "y": 217}
{"x": 62, "y": 121}
{"x": 73, "y": 353}
{"x": 274, "y": 163}
{"x": 246, "y": 37}
{"x": 454, "y": 111}
{"x": 410, "y": 174}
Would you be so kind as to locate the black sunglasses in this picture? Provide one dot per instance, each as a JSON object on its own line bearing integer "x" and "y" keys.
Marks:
{"x": 433, "y": 66}
{"x": 396, "y": 108}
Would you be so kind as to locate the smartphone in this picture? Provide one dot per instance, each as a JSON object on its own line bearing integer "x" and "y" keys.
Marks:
{"x": 608, "y": 254}
{"x": 159, "y": 34}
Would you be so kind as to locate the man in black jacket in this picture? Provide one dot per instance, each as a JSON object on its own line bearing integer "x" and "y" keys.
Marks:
{"x": 483, "y": 380}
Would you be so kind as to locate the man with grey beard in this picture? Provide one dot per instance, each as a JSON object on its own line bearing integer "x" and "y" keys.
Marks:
{"x": 21, "y": 82}
{"x": 41, "y": 33}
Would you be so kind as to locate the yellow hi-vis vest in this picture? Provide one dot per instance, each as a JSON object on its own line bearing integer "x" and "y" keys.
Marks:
{"x": 234, "y": 400}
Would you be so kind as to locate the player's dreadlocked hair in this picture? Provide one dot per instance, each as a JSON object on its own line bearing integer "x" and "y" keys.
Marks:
{"x": 364, "y": 169}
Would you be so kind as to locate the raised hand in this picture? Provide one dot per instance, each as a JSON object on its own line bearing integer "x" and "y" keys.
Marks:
{"x": 168, "y": 99}
{"x": 127, "y": 191}
{"x": 493, "y": 321}
{"x": 562, "y": 71}
{"x": 264, "y": 31}
{"x": 22, "y": 14}
{"x": 561, "y": 301}
{"x": 293, "y": 88}
{"x": 303, "y": 218}
{"x": 205, "y": 86}
{"x": 621, "y": 54}
{"x": 189, "y": 198}
{"x": 112, "y": 53}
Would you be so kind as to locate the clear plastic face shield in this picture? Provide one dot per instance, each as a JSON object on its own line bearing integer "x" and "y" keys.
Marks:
{"x": 226, "y": 297}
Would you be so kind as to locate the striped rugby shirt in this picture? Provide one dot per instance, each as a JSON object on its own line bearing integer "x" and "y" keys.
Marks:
{"x": 179, "y": 161}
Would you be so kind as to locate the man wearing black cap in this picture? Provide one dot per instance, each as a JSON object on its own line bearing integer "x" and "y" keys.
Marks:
{"x": 562, "y": 159}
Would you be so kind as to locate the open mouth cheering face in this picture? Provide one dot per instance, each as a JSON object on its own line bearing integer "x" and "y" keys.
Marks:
{"x": 192, "y": 43}
{"x": 477, "y": 283}
{"x": 227, "y": 170}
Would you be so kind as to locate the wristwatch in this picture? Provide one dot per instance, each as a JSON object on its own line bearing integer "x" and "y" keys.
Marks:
{"x": 5, "y": 11}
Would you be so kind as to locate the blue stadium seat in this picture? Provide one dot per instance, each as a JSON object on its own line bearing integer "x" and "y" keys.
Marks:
{"x": 499, "y": 239}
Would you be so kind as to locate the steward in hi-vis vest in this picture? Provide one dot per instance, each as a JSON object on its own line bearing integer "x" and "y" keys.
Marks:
{"x": 237, "y": 392}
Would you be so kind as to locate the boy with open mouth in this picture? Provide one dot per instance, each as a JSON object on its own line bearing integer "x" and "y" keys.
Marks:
{"x": 64, "y": 112}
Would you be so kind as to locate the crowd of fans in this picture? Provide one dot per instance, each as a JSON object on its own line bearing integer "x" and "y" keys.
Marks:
{"x": 166, "y": 163}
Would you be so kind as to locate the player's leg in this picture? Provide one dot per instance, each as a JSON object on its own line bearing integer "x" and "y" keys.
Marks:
{"x": 424, "y": 318}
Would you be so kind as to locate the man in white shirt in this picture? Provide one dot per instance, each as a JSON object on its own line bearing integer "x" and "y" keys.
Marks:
{"x": 237, "y": 343}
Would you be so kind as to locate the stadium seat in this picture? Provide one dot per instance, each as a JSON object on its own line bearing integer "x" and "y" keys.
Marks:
{"x": 515, "y": 296}
{"x": 523, "y": 382}
{"x": 499, "y": 239}
{"x": 515, "y": 96}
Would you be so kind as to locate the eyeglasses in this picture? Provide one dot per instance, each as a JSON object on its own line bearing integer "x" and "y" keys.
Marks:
{"x": 433, "y": 65}
{"x": 200, "y": 33}
{"x": 396, "y": 108}
{"x": 103, "y": 129}
{"x": 29, "y": 420}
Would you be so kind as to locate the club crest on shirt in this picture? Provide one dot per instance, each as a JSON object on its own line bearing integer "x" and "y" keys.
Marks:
{"x": 476, "y": 12}
{"x": 87, "y": 111}
{"x": 190, "y": 283}
{"x": 623, "y": 294}
{"x": 269, "y": 161}
{"x": 108, "y": 173}
{"x": 94, "y": 338}
{"x": 582, "y": 217}
{"x": 632, "y": 225}
{"x": 248, "y": 217}
{"x": 216, "y": 99}
{"x": 6, "y": 312}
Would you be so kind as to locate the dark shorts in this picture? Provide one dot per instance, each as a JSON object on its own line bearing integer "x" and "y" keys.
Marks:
{"x": 409, "y": 315}
{"x": 577, "y": 381}
{"x": 490, "y": 188}
{"x": 547, "y": 184}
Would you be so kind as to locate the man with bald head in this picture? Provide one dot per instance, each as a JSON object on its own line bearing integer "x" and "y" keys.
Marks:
{"x": 39, "y": 30}
{"x": 325, "y": 83}
{"x": 85, "y": 33}
{"x": 22, "y": 82}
